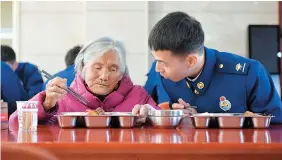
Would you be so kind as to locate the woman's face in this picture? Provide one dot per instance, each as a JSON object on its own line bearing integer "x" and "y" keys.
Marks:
{"x": 103, "y": 73}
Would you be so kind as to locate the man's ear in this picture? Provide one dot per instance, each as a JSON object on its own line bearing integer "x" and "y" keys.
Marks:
{"x": 191, "y": 60}
{"x": 15, "y": 66}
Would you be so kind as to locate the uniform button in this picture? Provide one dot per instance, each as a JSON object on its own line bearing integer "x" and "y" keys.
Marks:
{"x": 196, "y": 92}
{"x": 200, "y": 85}
{"x": 221, "y": 66}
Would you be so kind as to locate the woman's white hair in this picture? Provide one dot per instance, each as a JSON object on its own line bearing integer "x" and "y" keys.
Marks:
{"x": 95, "y": 49}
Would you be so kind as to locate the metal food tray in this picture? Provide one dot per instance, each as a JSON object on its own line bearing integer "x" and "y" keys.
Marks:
{"x": 230, "y": 120}
{"x": 68, "y": 119}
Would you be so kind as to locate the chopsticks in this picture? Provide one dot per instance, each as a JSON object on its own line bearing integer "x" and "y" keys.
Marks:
{"x": 69, "y": 90}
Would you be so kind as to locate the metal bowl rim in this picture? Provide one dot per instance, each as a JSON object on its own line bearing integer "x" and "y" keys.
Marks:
{"x": 165, "y": 113}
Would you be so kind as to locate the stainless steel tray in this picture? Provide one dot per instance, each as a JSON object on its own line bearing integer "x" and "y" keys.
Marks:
{"x": 230, "y": 120}
{"x": 68, "y": 119}
{"x": 261, "y": 121}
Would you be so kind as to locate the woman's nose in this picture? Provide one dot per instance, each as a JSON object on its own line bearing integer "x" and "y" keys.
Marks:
{"x": 104, "y": 75}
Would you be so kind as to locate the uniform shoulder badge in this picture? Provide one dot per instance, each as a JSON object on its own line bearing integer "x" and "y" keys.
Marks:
{"x": 240, "y": 67}
{"x": 232, "y": 63}
{"x": 224, "y": 104}
{"x": 235, "y": 68}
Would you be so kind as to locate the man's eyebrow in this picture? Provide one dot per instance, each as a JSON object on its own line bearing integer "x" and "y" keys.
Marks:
{"x": 161, "y": 61}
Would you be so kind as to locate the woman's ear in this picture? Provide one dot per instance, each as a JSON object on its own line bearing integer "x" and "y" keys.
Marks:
{"x": 82, "y": 64}
{"x": 83, "y": 71}
{"x": 120, "y": 77}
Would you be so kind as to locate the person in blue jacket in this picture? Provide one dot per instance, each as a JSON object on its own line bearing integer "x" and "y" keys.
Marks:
{"x": 69, "y": 72}
{"x": 11, "y": 88}
{"x": 28, "y": 74}
{"x": 186, "y": 73}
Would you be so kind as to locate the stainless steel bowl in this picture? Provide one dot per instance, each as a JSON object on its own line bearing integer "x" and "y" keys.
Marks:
{"x": 97, "y": 121}
{"x": 261, "y": 121}
{"x": 200, "y": 121}
{"x": 166, "y": 122}
{"x": 166, "y": 113}
{"x": 230, "y": 120}
{"x": 66, "y": 121}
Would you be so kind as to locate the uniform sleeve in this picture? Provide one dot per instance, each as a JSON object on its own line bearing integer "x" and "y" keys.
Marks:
{"x": 34, "y": 82}
{"x": 44, "y": 85}
{"x": 150, "y": 84}
{"x": 262, "y": 95}
{"x": 11, "y": 88}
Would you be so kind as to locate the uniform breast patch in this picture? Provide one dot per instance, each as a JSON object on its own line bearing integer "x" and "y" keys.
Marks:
{"x": 224, "y": 104}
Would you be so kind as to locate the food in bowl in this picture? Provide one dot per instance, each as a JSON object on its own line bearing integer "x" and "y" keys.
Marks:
{"x": 164, "y": 106}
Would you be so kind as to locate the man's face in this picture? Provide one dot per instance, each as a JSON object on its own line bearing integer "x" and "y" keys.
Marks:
{"x": 173, "y": 67}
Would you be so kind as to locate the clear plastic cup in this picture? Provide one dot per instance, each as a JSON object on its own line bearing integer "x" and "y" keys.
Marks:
{"x": 27, "y": 115}
{"x": 25, "y": 136}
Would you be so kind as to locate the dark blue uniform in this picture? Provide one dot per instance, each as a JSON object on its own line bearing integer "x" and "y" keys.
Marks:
{"x": 11, "y": 88}
{"x": 67, "y": 73}
{"x": 228, "y": 83}
{"x": 31, "y": 79}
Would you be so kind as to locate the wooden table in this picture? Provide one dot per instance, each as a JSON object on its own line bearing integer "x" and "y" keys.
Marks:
{"x": 185, "y": 142}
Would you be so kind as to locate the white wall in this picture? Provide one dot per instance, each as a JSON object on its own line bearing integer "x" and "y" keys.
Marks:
{"x": 49, "y": 29}
{"x": 125, "y": 21}
{"x": 224, "y": 23}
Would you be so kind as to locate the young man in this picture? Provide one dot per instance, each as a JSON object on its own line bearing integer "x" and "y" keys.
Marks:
{"x": 11, "y": 88}
{"x": 31, "y": 79}
{"x": 185, "y": 71}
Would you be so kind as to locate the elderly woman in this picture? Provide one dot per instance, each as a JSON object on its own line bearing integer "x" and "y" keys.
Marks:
{"x": 102, "y": 78}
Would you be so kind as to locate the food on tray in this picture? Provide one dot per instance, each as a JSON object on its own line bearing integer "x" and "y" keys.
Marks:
{"x": 164, "y": 106}
{"x": 98, "y": 111}
{"x": 248, "y": 113}
{"x": 91, "y": 112}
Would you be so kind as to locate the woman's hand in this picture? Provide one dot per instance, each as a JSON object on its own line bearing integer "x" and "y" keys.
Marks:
{"x": 142, "y": 112}
{"x": 55, "y": 90}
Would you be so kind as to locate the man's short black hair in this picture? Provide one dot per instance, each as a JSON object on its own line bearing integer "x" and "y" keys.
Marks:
{"x": 179, "y": 33}
{"x": 7, "y": 54}
{"x": 71, "y": 55}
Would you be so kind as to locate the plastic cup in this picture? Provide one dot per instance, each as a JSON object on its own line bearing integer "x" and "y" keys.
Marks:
{"x": 27, "y": 115}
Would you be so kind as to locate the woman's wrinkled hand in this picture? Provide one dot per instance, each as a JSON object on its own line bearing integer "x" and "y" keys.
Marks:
{"x": 142, "y": 112}
{"x": 55, "y": 90}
